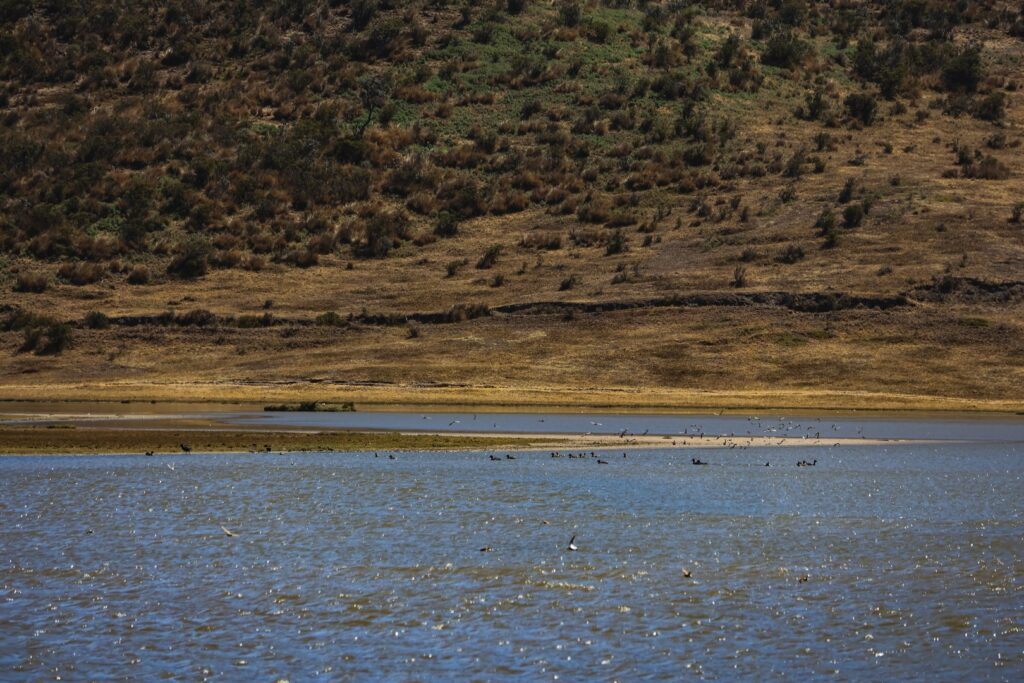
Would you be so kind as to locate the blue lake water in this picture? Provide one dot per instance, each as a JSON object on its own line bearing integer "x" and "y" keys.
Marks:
{"x": 903, "y": 562}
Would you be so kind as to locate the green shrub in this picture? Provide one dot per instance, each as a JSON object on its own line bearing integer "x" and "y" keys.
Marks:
{"x": 570, "y": 12}
{"x": 785, "y": 49}
{"x": 447, "y": 225}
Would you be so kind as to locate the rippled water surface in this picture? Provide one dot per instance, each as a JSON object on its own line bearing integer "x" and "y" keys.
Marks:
{"x": 895, "y": 563}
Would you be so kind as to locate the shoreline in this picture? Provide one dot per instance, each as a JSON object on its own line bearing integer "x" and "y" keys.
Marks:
{"x": 74, "y": 440}
{"x": 151, "y": 397}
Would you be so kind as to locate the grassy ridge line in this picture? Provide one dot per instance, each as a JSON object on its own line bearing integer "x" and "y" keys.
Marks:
{"x": 483, "y": 399}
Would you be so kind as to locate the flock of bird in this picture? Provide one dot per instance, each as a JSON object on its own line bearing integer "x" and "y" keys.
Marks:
{"x": 728, "y": 441}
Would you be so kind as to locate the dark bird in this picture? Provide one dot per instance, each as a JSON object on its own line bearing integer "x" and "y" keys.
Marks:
{"x": 509, "y": 456}
{"x": 602, "y": 462}
{"x": 495, "y": 458}
{"x": 186, "y": 448}
{"x": 391, "y": 456}
{"x": 486, "y": 549}
{"x": 572, "y": 543}
{"x": 149, "y": 454}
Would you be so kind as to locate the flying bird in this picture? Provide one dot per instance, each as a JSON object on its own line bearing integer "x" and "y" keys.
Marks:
{"x": 228, "y": 532}
{"x": 572, "y": 543}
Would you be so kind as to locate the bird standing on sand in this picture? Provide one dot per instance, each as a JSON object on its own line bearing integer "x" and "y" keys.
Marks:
{"x": 572, "y": 543}
{"x": 186, "y": 448}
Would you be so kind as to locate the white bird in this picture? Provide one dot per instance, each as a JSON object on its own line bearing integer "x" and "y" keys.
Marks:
{"x": 572, "y": 543}
{"x": 228, "y": 532}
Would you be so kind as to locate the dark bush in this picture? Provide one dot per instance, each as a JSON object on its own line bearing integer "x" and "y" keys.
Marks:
{"x": 191, "y": 258}
{"x": 846, "y": 194}
{"x": 139, "y": 275}
{"x": 992, "y": 107}
{"x": 616, "y": 244}
{"x": 490, "y": 257}
{"x": 791, "y": 254}
{"x": 81, "y": 273}
{"x": 853, "y": 216}
{"x": 42, "y": 335}
{"x": 861, "y": 106}
{"x": 383, "y": 233}
{"x": 570, "y": 12}
{"x": 453, "y": 267}
{"x": 826, "y": 222}
{"x": 95, "y": 320}
{"x": 330, "y": 319}
{"x": 34, "y": 283}
{"x": 447, "y": 225}
{"x": 785, "y": 49}
{"x": 964, "y": 71}
{"x": 988, "y": 168}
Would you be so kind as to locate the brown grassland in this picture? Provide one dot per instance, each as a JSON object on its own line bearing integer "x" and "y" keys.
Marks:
{"x": 262, "y": 214}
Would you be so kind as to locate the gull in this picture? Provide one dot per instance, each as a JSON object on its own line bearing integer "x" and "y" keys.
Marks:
{"x": 572, "y": 543}
{"x": 686, "y": 573}
{"x": 228, "y": 532}
{"x": 170, "y": 467}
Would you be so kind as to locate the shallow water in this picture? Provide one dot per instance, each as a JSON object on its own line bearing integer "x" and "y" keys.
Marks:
{"x": 765, "y": 424}
{"x": 351, "y": 566}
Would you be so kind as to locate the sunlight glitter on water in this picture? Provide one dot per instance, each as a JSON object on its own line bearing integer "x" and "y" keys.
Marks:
{"x": 877, "y": 563}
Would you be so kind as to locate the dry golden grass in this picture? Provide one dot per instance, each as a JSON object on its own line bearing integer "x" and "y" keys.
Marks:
{"x": 944, "y": 355}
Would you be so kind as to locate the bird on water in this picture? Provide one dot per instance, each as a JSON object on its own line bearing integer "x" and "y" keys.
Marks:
{"x": 572, "y": 543}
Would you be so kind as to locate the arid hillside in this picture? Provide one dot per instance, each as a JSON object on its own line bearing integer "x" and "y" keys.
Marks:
{"x": 664, "y": 204}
